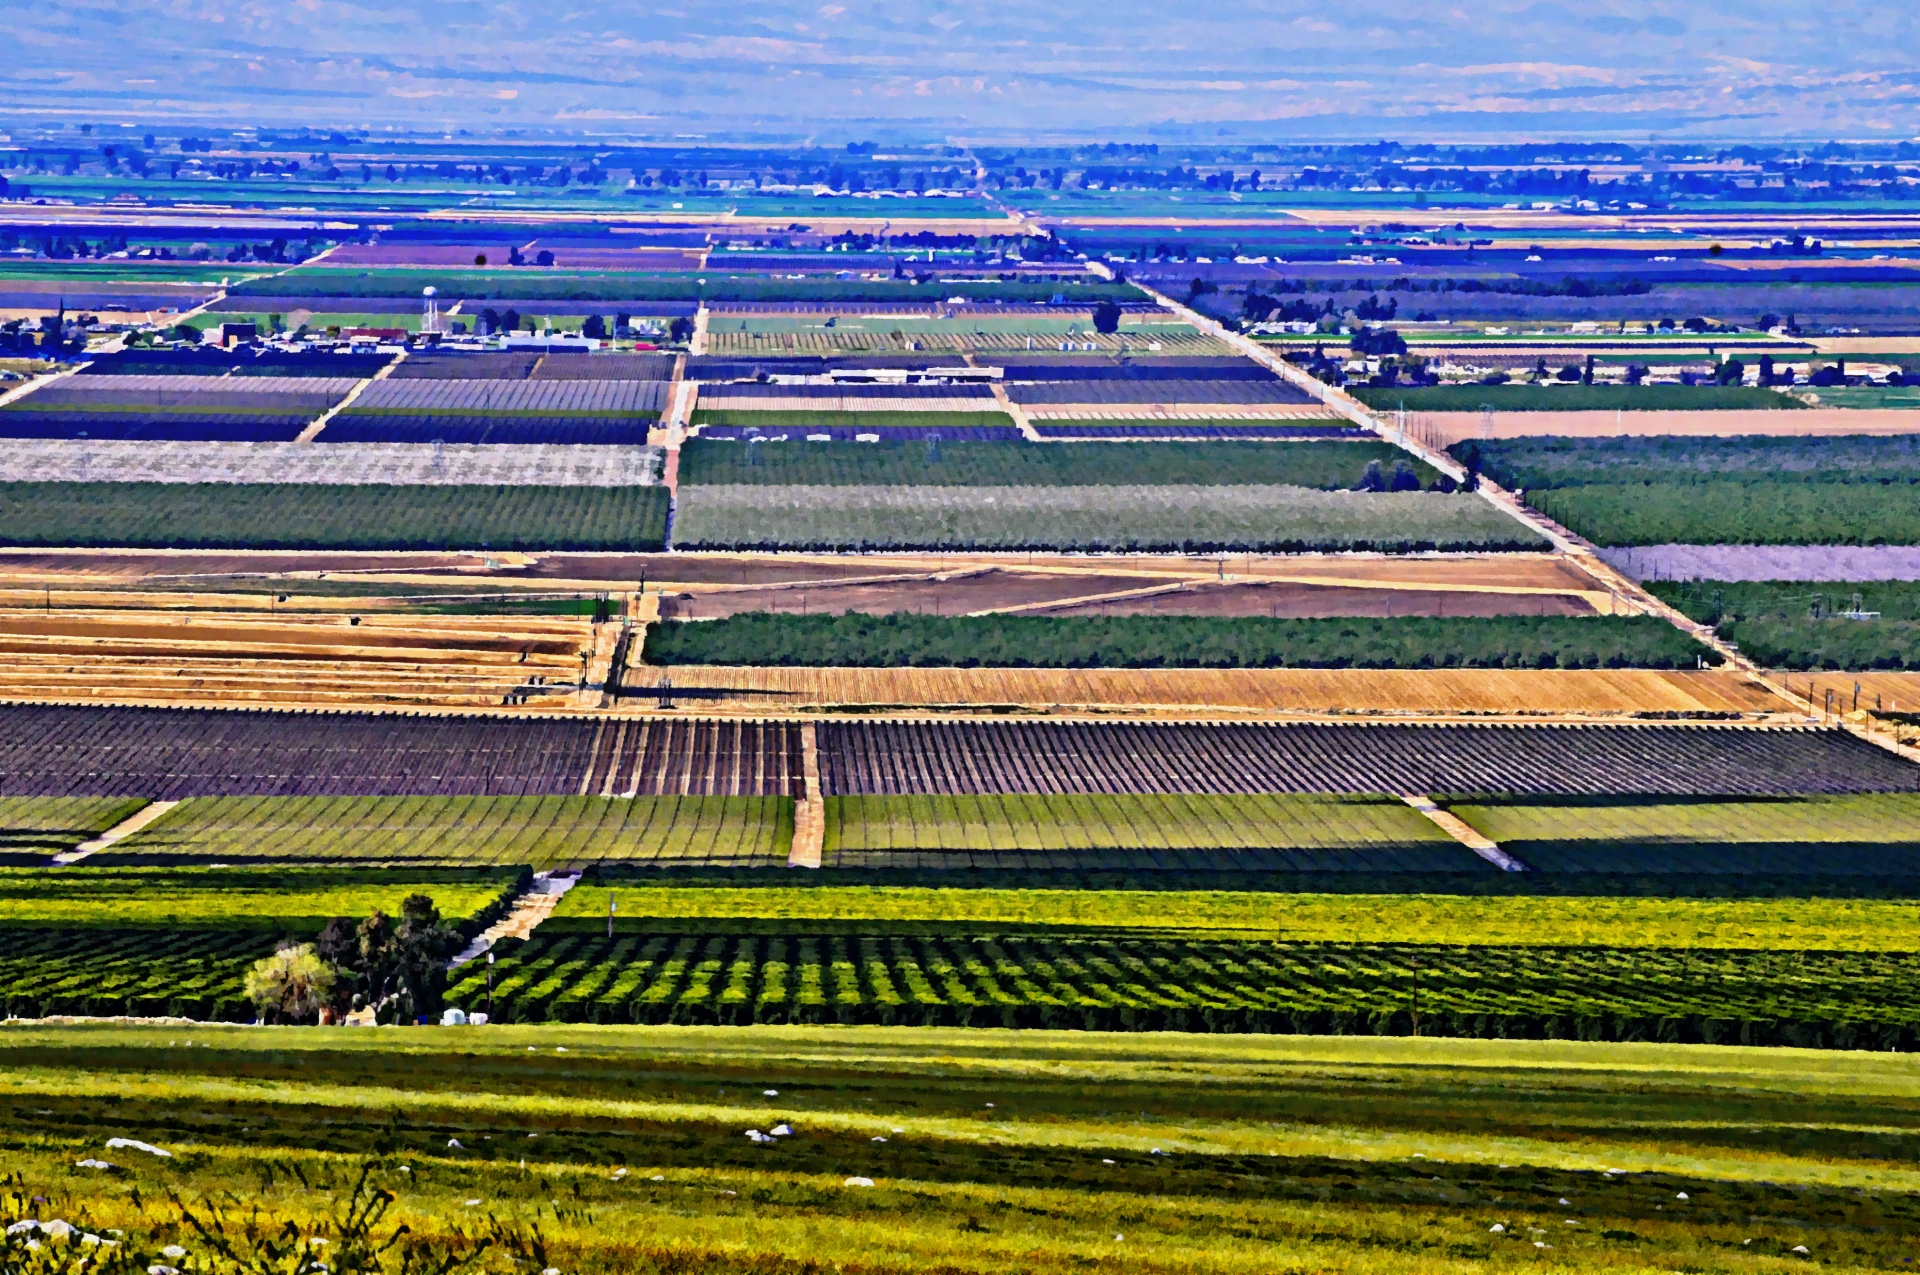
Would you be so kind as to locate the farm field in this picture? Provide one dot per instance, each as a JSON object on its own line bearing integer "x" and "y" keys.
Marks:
{"x": 172, "y": 754}
{"x": 541, "y": 832}
{"x": 1535, "y": 916}
{"x": 859, "y": 828}
{"x": 1831, "y": 835}
{"x": 1732, "y": 512}
{"x": 1462, "y": 426}
{"x": 1106, "y": 518}
{"x": 1328, "y": 465}
{"x": 907, "y": 757}
{"x": 1577, "y": 398}
{"x": 1240, "y": 692}
{"x": 1536, "y": 464}
{"x": 1309, "y": 1144}
{"x": 329, "y": 516}
{"x": 341, "y": 464}
{"x": 35, "y": 828}
{"x": 1163, "y": 984}
{"x": 285, "y": 900}
{"x": 905, "y": 640}
{"x": 1800, "y": 626}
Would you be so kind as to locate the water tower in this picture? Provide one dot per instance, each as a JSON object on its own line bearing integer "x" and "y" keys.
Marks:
{"x": 430, "y": 317}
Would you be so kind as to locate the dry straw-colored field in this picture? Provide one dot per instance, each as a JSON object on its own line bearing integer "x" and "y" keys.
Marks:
{"x": 1252, "y": 692}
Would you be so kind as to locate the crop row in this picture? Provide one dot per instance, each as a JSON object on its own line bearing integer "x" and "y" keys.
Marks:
{"x": 1536, "y": 464}
{"x": 1848, "y": 1000}
{"x": 1131, "y": 518}
{"x": 1197, "y": 430}
{"x": 1747, "y": 512}
{"x": 281, "y": 899}
{"x": 1836, "y": 835}
{"x": 99, "y": 970}
{"x": 239, "y": 361}
{"x": 1325, "y": 465}
{"x": 1798, "y": 625}
{"x": 1046, "y": 757}
{"x": 540, "y": 832}
{"x": 908, "y": 639}
{"x": 493, "y": 430}
{"x": 1142, "y": 821}
{"x": 83, "y": 384}
{"x": 597, "y": 397}
{"x": 1038, "y": 394}
{"x": 342, "y": 463}
{"x": 155, "y": 426}
{"x": 32, "y": 828}
{"x": 53, "y": 751}
{"x": 330, "y": 516}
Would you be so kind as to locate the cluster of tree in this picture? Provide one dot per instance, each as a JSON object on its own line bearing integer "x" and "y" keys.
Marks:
{"x": 396, "y": 969}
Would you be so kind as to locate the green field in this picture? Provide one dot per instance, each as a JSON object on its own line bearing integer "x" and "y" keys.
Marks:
{"x": 33, "y": 828}
{"x": 1171, "y": 641}
{"x": 1148, "y": 982}
{"x": 1738, "y": 513}
{"x": 540, "y": 832}
{"x": 289, "y": 900}
{"x": 1613, "y": 922}
{"x": 1302, "y": 832}
{"x": 1324, "y": 465}
{"x": 1138, "y": 518}
{"x": 1537, "y": 463}
{"x": 1838, "y": 836}
{"x": 1777, "y": 625}
{"x": 1224, "y": 1155}
{"x": 1575, "y": 398}
{"x": 323, "y": 516}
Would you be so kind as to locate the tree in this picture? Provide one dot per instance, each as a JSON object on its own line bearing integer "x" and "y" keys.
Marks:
{"x": 510, "y": 321}
{"x": 1404, "y": 479}
{"x": 595, "y": 326}
{"x": 681, "y": 329}
{"x": 479, "y": 258}
{"x": 1372, "y": 479}
{"x": 398, "y": 971}
{"x": 1106, "y": 317}
{"x": 291, "y": 985}
{"x": 543, "y": 258}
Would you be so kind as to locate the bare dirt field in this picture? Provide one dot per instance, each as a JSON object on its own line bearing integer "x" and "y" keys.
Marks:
{"x": 1228, "y": 691}
{"x": 1454, "y": 427}
{"x": 1308, "y": 601}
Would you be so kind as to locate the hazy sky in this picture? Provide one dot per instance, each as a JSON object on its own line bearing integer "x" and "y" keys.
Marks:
{"x": 1272, "y": 68}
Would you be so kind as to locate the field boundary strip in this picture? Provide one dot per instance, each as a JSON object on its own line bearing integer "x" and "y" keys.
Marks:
{"x": 1465, "y": 834}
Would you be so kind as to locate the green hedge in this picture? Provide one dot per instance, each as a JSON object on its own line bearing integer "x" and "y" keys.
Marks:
{"x": 924, "y": 641}
{"x": 320, "y": 516}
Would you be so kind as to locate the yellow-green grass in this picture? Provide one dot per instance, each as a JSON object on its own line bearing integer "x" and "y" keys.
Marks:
{"x": 1285, "y": 1154}
{"x": 1782, "y": 924}
{"x": 540, "y": 832}
{"x": 215, "y": 898}
{"x": 1126, "y": 821}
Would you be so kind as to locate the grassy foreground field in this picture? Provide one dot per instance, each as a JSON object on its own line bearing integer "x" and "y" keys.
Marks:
{"x": 623, "y": 1149}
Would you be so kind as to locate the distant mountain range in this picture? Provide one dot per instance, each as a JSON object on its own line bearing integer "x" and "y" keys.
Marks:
{"x": 919, "y": 69}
